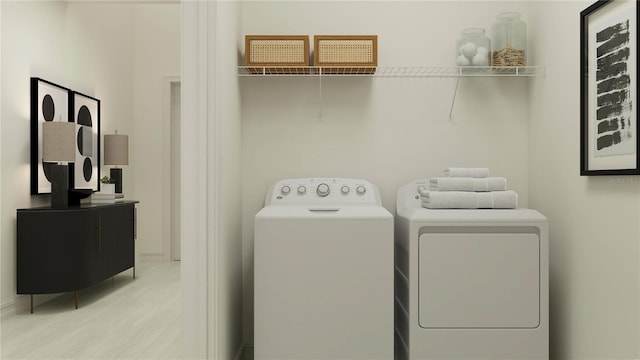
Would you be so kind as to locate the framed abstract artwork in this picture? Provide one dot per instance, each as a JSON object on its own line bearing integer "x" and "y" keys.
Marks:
{"x": 85, "y": 171}
{"x": 49, "y": 102}
{"x": 608, "y": 89}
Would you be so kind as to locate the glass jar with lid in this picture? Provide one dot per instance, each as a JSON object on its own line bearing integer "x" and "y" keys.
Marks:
{"x": 473, "y": 48}
{"x": 509, "y": 40}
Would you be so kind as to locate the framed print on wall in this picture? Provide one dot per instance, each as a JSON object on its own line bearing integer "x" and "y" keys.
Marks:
{"x": 49, "y": 102}
{"x": 85, "y": 172}
{"x": 608, "y": 89}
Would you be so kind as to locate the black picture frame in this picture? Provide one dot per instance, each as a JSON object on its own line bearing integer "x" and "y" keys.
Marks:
{"x": 609, "y": 136}
{"x": 49, "y": 102}
{"x": 85, "y": 171}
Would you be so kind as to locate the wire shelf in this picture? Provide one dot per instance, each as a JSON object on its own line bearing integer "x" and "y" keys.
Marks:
{"x": 394, "y": 71}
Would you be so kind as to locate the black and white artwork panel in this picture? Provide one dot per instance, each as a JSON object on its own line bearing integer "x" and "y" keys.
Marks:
{"x": 49, "y": 102}
{"x": 86, "y": 115}
{"x": 609, "y": 102}
{"x": 614, "y": 121}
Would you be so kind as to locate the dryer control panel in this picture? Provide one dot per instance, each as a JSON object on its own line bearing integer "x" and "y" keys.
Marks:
{"x": 409, "y": 194}
{"x": 323, "y": 191}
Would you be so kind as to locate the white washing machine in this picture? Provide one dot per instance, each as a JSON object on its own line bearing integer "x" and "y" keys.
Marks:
{"x": 323, "y": 272}
{"x": 470, "y": 284}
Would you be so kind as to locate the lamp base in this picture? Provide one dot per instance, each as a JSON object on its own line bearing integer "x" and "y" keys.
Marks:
{"x": 59, "y": 187}
{"x": 116, "y": 178}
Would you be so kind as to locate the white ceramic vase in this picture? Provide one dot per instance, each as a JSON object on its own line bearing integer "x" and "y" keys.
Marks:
{"x": 107, "y": 188}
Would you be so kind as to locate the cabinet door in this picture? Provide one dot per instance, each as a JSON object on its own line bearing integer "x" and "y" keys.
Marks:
{"x": 56, "y": 250}
{"x": 116, "y": 237}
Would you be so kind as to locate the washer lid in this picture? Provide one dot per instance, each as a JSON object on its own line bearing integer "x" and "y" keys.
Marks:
{"x": 324, "y": 213}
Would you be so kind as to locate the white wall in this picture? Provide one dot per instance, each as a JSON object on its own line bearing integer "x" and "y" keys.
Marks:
{"x": 99, "y": 62}
{"x": 594, "y": 234}
{"x": 156, "y": 55}
{"x": 387, "y": 130}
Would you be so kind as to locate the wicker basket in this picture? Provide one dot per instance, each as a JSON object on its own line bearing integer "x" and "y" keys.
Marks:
{"x": 277, "y": 54}
{"x": 346, "y": 54}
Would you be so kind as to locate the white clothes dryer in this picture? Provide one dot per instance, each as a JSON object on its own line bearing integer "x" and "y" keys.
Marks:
{"x": 470, "y": 284}
{"x": 323, "y": 272}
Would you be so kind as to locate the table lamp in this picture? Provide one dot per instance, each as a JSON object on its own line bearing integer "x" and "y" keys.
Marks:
{"x": 58, "y": 146}
{"x": 116, "y": 152}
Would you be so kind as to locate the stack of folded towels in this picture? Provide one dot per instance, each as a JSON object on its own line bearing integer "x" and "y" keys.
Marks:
{"x": 468, "y": 188}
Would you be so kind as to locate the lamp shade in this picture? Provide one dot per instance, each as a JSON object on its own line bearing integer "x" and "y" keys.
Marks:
{"x": 58, "y": 141}
{"x": 116, "y": 149}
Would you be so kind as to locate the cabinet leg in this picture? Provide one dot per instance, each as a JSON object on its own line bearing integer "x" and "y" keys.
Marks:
{"x": 134, "y": 272}
{"x": 31, "y": 303}
{"x": 76, "y": 299}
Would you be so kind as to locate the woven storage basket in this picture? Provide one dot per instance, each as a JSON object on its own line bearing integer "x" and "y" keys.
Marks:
{"x": 277, "y": 54}
{"x": 346, "y": 54}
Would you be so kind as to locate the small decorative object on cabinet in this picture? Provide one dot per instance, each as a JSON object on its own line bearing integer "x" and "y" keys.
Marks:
{"x": 277, "y": 54}
{"x": 107, "y": 186}
{"x": 609, "y": 141}
{"x": 107, "y": 193}
{"x": 509, "y": 40}
{"x": 473, "y": 48}
{"x": 61, "y": 250}
{"x": 345, "y": 54}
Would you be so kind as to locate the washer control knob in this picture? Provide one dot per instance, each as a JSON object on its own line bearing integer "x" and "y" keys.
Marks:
{"x": 344, "y": 189}
{"x": 302, "y": 190}
{"x": 361, "y": 190}
{"x": 323, "y": 190}
{"x": 285, "y": 190}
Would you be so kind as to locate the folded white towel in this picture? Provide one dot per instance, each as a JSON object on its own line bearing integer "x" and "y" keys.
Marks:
{"x": 469, "y": 200}
{"x": 467, "y": 172}
{"x": 468, "y": 184}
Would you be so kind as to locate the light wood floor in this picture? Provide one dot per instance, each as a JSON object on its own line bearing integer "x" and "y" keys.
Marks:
{"x": 121, "y": 318}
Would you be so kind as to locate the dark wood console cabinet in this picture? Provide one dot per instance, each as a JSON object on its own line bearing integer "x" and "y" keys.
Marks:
{"x": 64, "y": 250}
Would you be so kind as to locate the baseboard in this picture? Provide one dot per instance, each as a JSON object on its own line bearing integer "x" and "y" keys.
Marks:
{"x": 245, "y": 352}
{"x": 21, "y": 304}
{"x": 150, "y": 257}
{"x": 7, "y": 309}
{"x": 239, "y": 354}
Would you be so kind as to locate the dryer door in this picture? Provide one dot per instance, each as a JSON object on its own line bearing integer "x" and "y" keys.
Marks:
{"x": 479, "y": 280}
